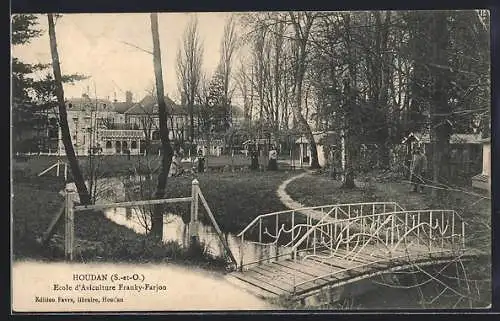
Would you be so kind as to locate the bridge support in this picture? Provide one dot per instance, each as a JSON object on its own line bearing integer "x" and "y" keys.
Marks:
{"x": 193, "y": 223}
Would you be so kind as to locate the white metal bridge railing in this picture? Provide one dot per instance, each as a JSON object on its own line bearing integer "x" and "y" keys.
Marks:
{"x": 444, "y": 229}
{"x": 284, "y": 230}
{"x": 402, "y": 234}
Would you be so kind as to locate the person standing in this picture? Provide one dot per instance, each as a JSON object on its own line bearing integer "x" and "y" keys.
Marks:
{"x": 273, "y": 159}
{"x": 254, "y": 155}
{"x": 174, "y": 167}
{"x": 418, "y": 169}
{"x": 201, "y": 162}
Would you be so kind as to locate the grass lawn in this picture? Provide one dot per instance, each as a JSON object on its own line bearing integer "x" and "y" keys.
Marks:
{"x": 33, "y": 207}
{"x": 115, "y": 165}
{"x": 234, "y": 198}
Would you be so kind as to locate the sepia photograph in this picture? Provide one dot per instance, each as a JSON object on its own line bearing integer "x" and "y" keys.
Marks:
{"x": 242, "y": 161}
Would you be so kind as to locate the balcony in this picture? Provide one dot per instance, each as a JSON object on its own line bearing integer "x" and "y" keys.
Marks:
{"x": 121, "y": 133}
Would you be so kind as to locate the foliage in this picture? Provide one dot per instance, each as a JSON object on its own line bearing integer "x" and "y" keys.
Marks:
{"x": 215, "y": 115}
{"x": 24, "y": 28}
{"x": 33, "y": 87}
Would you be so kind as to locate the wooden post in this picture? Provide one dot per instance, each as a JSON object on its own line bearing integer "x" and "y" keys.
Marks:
{"x": 193, "y": 224}
{"x": 392, "y": 229}
{"x": 58, "y": 162}
{"x": 69, "y": 235}
{"x": 65, "y": 172}
{"x": 260, "y": 230}
{"x": 430, "y": 230}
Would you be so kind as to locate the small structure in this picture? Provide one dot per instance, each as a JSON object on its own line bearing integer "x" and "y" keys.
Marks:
{"x": 121, "y": 141}
{"x": 483, "y": 180}
{"x": 259, "y": 144}
{"x": 213, "y": 147}
{"x": 465, "y": 151}
{"x": 322, "y": 140}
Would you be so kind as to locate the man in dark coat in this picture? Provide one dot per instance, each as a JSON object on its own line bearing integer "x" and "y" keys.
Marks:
{"x": 254, "y": 156}
{"x": 418, "y": 169}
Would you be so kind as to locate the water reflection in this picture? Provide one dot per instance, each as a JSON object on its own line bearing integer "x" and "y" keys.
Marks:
{"x": 176, "y": 230}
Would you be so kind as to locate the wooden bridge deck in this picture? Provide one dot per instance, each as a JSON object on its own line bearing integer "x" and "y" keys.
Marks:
{"x": 273, "y": 279}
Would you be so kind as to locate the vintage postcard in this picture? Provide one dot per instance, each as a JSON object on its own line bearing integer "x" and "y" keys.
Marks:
{"x": 251, "y": 161}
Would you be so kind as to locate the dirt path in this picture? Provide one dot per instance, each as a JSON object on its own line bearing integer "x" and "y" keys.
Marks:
{"x": 292, "y": 204}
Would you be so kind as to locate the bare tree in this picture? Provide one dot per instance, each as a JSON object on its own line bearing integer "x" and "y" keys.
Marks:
{"x": 189, "y": 63}
{"x": 157, "y": 217}
{"x": 243, "y": 83}
{"x": 63, "y": 117}
{"x": 228, "y": 46}
{"x": 302, "y": 23}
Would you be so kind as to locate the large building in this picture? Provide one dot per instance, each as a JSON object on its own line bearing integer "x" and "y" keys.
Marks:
{"x": 99, "y": 124}
{"x": 119, "y": 128}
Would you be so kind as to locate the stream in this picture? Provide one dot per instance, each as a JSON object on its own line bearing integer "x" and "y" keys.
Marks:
{"x": 176, "y": 230}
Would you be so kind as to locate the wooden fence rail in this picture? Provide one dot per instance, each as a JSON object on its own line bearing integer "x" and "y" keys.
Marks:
{"x": 196, "y": 196}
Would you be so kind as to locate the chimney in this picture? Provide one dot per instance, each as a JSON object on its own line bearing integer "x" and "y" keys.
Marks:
{"x": 128, "y": 97}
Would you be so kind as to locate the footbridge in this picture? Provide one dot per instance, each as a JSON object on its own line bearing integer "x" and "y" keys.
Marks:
{"x": 335, "y": 245}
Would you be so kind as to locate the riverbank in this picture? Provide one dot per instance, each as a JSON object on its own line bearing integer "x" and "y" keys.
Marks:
{"x": 97, "y": 238}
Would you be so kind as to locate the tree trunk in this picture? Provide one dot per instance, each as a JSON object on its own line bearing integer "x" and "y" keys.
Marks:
{"x": 302, "y": 35}
{"x": 440, "y": 129}
{"x": 63, "y": 117}
{"x": 157, "y": 217}
{"x": 191, "y": 122}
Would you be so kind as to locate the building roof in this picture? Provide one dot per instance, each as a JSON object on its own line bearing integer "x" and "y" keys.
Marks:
{"x": 88, "y": 103}
{"x": 259, "y": 141}
{"x": 454, "y": 139}
{"x": 328, "y": 137}
{"x": 148, "y": 105}
{"x": 121, "y": 107}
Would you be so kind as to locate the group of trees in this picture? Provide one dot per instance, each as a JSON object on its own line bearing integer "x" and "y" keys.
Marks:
{"x": 207, "y": 97}
{"x": 372, "y": 76}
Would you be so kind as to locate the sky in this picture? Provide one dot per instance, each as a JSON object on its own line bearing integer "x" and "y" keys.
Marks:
{"x": 93, "y": 45}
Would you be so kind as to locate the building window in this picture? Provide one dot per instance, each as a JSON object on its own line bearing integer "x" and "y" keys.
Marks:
{"x": 118, "y": 146}
{"x": 125, "y": 145}
{"x": 108, "y": 144}
{"x": 134, "y": 144}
